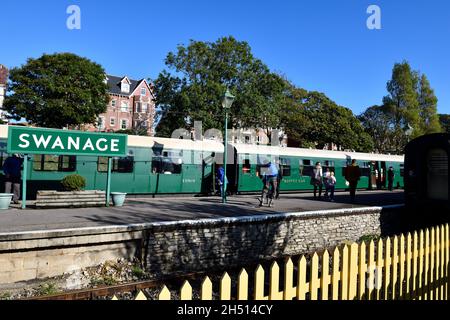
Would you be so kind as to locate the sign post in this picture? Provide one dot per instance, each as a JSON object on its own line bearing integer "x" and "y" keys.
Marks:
{"x": 108, "y": 181}
{"x": 24, "y": 182}
{"x": 24, "y": 140}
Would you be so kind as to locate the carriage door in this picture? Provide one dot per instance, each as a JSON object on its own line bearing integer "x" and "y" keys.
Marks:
{"x": 437, "y": 174}
{"x": 383, "y": 174}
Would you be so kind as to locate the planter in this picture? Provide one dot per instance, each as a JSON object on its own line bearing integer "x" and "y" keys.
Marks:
{"x": 5, "y": 200}
{"x": 118, "y": 198}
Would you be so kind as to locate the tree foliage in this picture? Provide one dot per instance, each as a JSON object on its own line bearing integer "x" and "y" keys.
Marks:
{"x": 444, "y": 119}
{"x": 57, "y": 90}
{"x": 199, "y": 75}
{"x": 408, "y": 111}
{"x": 312, "y": 119}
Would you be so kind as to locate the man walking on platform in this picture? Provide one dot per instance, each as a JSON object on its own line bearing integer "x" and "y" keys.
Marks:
{"x": 391, "y": 176}
{"x": 352, "y": 175}
{"x": 12, "y": 170}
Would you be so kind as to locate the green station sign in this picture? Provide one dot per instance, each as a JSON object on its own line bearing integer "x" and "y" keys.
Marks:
{"x": 25, "y": 140}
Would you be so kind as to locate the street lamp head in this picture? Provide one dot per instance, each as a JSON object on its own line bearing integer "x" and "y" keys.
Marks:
{"x": 228, "y": 100}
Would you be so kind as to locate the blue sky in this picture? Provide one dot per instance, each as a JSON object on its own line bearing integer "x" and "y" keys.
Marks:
{"x": 321, "y": 45}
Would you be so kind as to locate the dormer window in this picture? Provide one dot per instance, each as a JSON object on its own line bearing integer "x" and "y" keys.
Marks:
{"x": 125, "y": 87}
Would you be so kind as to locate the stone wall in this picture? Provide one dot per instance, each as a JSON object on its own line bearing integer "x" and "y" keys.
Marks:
{"x": 185, "y": 246}
{"x": 200, "y": 245}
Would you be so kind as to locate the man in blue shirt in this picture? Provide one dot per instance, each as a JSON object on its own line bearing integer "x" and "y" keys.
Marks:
{"x": 270, "y": 182}
{"x": 221, "y": 179}
{"x": 12, "y": 170}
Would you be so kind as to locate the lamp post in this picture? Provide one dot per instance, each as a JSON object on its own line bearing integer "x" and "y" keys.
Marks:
{"x": 227, "y": 103}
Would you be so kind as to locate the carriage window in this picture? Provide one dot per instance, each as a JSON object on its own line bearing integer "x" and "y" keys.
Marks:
{"x": 402, "y": 170}
{"x": 54, "y": 163}
{"x": 285, "y": 165}
{"x": 330, "y": 165}
{"x": 365, "y": 169}
{"x": 306, "y": 168}
{"x": 166, "y": 165}
{"x": 120, "y": 165}
{"x": 246, "y": 167}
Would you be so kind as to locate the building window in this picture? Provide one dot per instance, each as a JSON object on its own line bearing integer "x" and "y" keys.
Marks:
{"x": 113, "y": 103}
{"x": 124, "y": 106}
{"x": 143, "y": 92}
{"x": 138, "y": 107}
{"x": 120, "y": 165}
{"x": 144, "y": 107}
{"x": 124, "y": 124}
{"x": 125, "y": 87}
{"x": 112, "y": 122}
{"x": 54, "y": 163}
{"x": 101, "y": 123}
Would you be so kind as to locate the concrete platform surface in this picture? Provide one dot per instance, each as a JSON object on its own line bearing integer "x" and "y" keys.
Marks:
{"x": 148, "y": 210}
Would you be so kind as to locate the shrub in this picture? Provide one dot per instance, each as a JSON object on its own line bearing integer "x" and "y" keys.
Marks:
{"x": 74, "y": 182}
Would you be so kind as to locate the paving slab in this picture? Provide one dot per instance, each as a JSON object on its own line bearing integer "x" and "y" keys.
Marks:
{"x": 148, "y": 210}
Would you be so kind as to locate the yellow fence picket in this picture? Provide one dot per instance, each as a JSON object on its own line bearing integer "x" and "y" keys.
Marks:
{"x": 447, "y": 261}
{"x": 141, "y": 297}
{"x": 344, "y": 273}
{"x": 225, "y": 287}
{"x": 274, "y": 288}
{"x": 431, "y": 274}
{"x": 353, "y": 272}
{"x": 164, "y": 295}
{"x": 421, "y": 262}
{"x": 336, "y": 275}
{"x": 387, "y": 267}
{"x": 314, "y": 282}
{"x": 427, "y": 265}
{"x": 259, "y": 284}
{"x": 415, "y": 261}
{"x": 437, "y": 263}
{"x": 394, "y": 267}
{"x": 289, "y": 289}
{"x": 302, "y": 286}
{"x": 242, "y": 293}
{"x": 114, "y": 298}
{"x": 186, "y": 291}
{"x": 401, "y": 289}
{"x": 379, "y": 270}
{"x": 325, "y": 279}
{"x": 362, "y": 270}
{"x": 408, "y": 265}
{"x": 371, "y": 270}
{"x": 206, "y": 290}
{"x": 441, "y": 271}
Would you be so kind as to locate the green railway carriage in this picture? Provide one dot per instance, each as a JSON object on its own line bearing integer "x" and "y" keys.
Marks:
{"x": 298, "y": 164}
{"x": 152, "y": 166}
{"x": 177, "y": 166}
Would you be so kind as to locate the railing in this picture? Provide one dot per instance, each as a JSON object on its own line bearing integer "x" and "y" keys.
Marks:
{"x": 411, "y": 267}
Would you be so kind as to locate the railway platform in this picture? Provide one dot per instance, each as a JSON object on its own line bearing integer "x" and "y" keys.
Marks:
{"x": 157, "y": 210}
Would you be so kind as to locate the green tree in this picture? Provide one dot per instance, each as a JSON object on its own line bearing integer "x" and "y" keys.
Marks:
{"x": 312, "y": 119}
{"x": 429, "y": 118}
{"x": 57, "y": 90}
{"x": 199, "y": 75}
{"x": 402, "y": 102}
{"x": 444, "y": 119}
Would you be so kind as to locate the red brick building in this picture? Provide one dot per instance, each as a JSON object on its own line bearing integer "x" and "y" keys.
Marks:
{"x": 3, "y": 83}
{"x": 131, "y": 106}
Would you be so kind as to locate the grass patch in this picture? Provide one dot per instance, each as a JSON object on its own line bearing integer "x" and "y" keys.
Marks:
{"x": 370, "y": 237}
{"x": 47, "y": 289}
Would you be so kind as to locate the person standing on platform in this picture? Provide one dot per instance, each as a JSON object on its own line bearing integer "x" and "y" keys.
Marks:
{"x": 391, "y": 176}
{"x": 279, "y": 179}
{"x": 269, "y": 184}
{"x": 12, "y": 170}
{"x": 221, "y": 180}
{"x": 352, "y": 175}
{"x": 316, "y": 180}
{"x": 331, "y": 184}
{"x": 326, "y": 175}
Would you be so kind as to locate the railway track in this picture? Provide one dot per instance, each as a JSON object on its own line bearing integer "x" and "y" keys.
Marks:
{"x": 110, "y": 291}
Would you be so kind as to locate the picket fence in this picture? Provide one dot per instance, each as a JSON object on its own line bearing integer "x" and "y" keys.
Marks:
{"x": 409, "y": 267}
